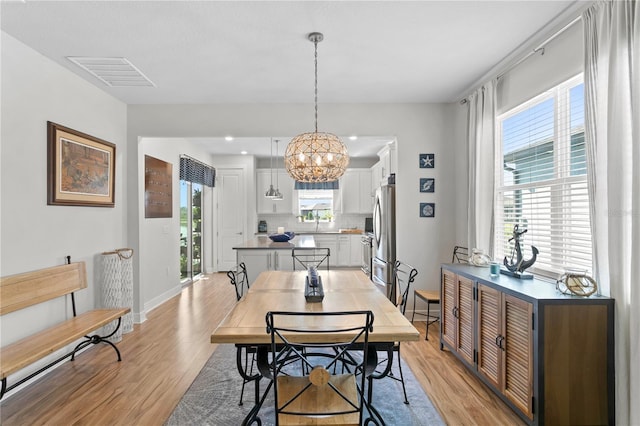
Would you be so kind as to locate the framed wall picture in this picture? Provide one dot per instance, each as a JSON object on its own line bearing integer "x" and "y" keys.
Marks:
{"x": 427, "y": 209}
{"x": 427, "y": 185}
{"x": 158, "y": 188}
{"x": 427, "y": 161}
{"x": 81, "y": 169}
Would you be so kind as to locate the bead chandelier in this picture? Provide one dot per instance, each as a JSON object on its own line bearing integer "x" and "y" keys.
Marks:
{"x": 317, "y": 156}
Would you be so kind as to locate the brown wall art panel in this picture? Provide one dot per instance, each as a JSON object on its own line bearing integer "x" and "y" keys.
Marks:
{"x": 158, "y": 200}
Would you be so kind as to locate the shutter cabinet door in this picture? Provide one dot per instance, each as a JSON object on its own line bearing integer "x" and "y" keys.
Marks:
{"x": 465, "y": 344}
{"x": 518, "y": 354}
{"x": 448, "y": 296}
{"x": 489, "y": 323}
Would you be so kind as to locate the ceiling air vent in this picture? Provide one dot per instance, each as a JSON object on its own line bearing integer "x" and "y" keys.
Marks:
{"x": 114, "y": 72}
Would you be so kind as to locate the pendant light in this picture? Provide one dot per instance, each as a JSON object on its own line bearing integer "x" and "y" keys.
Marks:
{"x": 316, "y": 156}
{"x": 271, "y": 193}
{"x": 278, "y": 196}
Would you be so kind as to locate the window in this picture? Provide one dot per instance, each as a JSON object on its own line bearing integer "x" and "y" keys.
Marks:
{"x": 190, "y": 230}
{"x": 315, "y": 203}
{"x": 542, "y": 184}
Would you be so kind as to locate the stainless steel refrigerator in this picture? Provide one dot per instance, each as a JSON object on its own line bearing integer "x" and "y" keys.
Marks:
{"x": 384, "y": 237}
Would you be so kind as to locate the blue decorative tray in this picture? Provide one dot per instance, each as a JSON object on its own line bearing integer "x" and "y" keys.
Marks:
{"x": 282, "y": 238}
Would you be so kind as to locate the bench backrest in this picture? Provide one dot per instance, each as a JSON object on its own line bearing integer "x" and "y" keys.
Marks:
{"x": 30, "y": 288}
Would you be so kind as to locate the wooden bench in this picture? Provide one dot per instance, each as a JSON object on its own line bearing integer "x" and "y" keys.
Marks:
{"x": 30, "y": 288}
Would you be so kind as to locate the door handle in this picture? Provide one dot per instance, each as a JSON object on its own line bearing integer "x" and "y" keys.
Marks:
{"x": 276, "y": 261}
{"x": 238, "y": 233}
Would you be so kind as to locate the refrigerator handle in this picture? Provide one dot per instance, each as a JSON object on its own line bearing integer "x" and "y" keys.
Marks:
{"x": 377, "y": 221}
{"x": 378, "y": 261}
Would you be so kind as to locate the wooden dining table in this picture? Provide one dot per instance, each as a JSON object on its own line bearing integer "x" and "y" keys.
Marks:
{"x": 344, "y": 290}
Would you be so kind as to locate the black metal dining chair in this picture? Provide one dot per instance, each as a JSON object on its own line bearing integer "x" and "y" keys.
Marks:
{"x": 239, "y": 280}
{"x": 403, "y": 275}
{"x": 323, "y": 391}
{"x": 460, "y": 255}
{"x": 245, "y": 355}
{"x": 305, "y": 257}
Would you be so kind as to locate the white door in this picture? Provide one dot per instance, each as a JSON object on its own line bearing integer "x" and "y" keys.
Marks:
{"x": 230, "y": 214}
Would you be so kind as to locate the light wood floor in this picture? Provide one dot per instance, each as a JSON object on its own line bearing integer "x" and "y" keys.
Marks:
{"x": 162, "y": 357}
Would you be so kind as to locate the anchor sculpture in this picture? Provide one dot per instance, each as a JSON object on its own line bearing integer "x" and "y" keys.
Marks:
{"x": 516, "y": 269}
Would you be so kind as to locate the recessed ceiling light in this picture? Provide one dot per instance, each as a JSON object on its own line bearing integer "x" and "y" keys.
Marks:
{"x": 228, "y": 138}
{"x": 243, "y": 152}
{"x": 353, "y": 138}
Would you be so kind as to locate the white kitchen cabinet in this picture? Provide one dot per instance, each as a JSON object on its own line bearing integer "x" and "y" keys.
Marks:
{"x": 343, "y": 255}
{"x": 282, "y": 181}
{"x": 355, "y": 253}
{"x": 348, "y": 249}
{"x": 356, "y": 191}
{"x": 386, "y": 166}
{"x": 260, "y": 260}
{"x": 285, "y": 184}
{"x": 330, "y": 242}
{"x": 376, "y": 176}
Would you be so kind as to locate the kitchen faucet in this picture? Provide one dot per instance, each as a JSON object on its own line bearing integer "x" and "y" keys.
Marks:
{"x": 317, "y": 220}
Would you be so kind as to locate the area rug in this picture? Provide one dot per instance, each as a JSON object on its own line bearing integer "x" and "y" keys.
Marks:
{"x": 212, "y": 399}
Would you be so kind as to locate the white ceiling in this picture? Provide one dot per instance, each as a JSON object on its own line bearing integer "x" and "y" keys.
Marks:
{"x": 208, "y": 52}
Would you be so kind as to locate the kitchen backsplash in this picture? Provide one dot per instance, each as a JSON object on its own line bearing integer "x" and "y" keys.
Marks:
{"x": 291, "y": 223}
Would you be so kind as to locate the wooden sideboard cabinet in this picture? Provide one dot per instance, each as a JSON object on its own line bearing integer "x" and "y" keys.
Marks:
{"x": 549, "y": 356}
{"x": 458, "y": 314}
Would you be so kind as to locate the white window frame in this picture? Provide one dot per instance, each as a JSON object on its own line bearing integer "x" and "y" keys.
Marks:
{"x": 306, "y": 194}
{"x": 561, "y": 179}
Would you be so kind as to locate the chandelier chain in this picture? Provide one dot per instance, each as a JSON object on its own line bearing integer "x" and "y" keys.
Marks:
{"x": 315, "y": 43}
{"x": 316, "y": 157}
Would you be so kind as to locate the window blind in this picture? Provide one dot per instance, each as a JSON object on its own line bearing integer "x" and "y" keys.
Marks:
{"x": 541, "y": 185}
{"x": 316, "y": 185}
{"x": 192, "y": 170}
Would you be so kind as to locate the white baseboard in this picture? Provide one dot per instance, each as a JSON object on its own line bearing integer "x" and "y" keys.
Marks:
{"x": 159, "y": 300}
{"x": 139, "y": 318}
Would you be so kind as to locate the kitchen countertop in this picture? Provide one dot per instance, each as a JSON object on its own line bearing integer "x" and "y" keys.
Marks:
{"x": 263, "y": 242}
{"x": 343, "y": 232}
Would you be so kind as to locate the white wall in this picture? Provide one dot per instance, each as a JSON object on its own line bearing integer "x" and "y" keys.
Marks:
{"x": 34, "y": 235}
{"x": 159, "y": 238}
{"x": 418, "y": 128}
{"x": 561, "y": 60}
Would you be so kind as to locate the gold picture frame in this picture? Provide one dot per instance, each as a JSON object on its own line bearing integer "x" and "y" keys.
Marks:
{"x": 81, "y": 169}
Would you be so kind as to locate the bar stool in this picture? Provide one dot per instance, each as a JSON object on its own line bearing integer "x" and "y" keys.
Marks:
{"x": 431, "y": 297}
{"x": 460, "y": 255}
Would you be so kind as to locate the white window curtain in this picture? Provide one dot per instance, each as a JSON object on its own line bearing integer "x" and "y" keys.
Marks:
{"x": 612, "y": 121}
{"x": 481, "y": 132}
